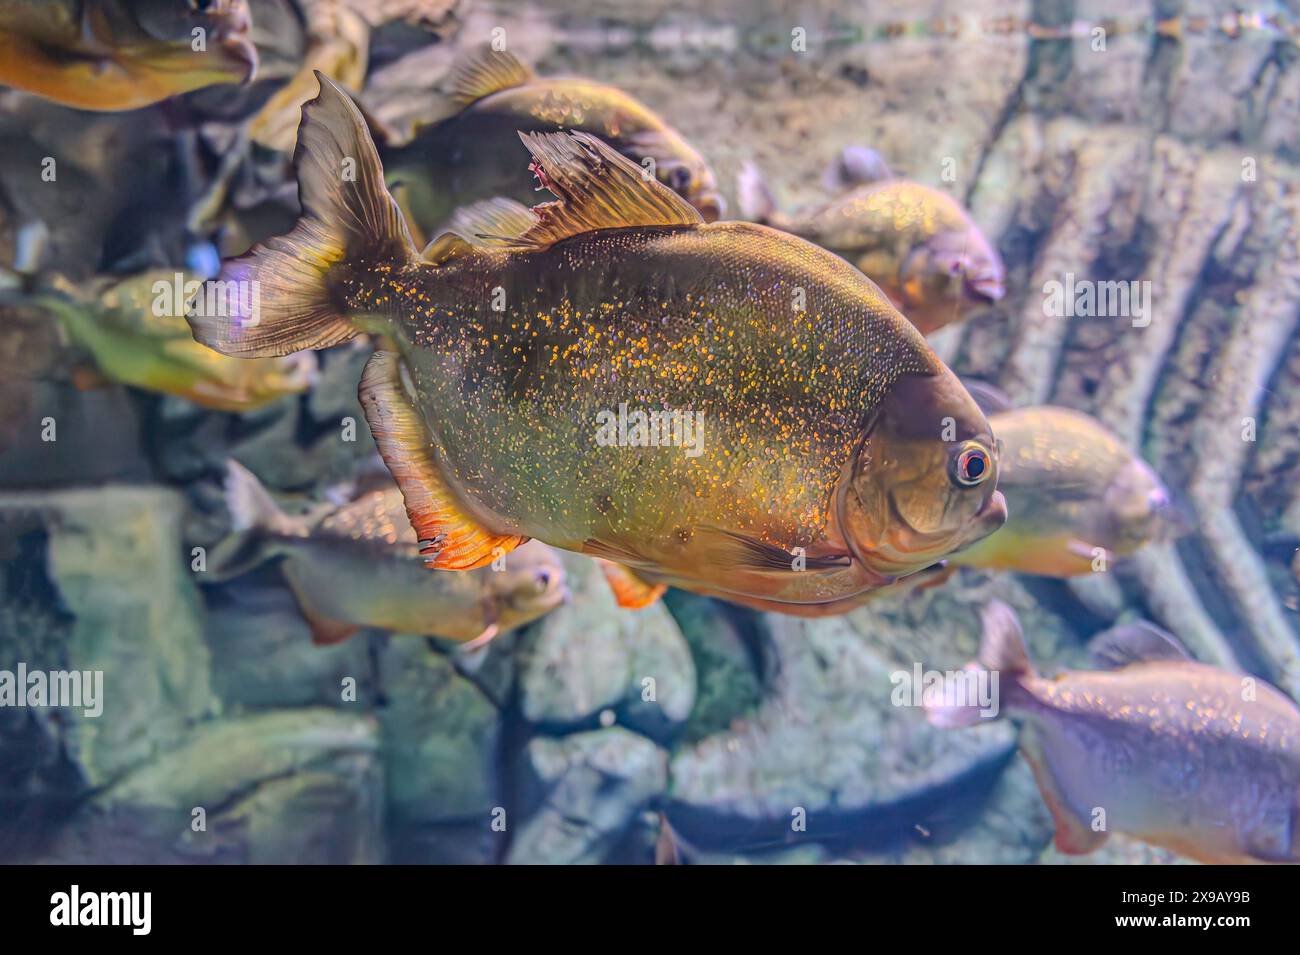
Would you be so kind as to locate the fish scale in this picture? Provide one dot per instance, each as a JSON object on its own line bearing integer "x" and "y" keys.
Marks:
{"x": 497, "y": 383}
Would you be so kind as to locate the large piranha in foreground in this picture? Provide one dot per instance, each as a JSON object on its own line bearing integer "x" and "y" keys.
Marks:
{"x": 113, "y": 55}
{"x": 549, "y": 364}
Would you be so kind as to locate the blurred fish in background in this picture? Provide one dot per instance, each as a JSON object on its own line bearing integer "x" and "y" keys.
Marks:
{"x": 472, "y": 153}
{"x": 359, "y": 565}
{"x": 915, "y": 242}
{"x": 116, "y": 55}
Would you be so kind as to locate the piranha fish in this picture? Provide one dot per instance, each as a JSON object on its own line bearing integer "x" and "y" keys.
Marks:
{"x": 358, "y": 565}
{"x": 918, "y": 244}
{"x": 109, "y": 55}
{"x": 1075, "y": 493}
{"x": 470, "y": 154}
{"x": 136, "y": 334}
{"x": 1176, "y": 753}
{"x": 822, "y": 471}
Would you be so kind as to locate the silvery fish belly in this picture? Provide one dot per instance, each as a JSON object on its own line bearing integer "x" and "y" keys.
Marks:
{"x": 585, "y": 373}
{"x": 1173, "y": 754}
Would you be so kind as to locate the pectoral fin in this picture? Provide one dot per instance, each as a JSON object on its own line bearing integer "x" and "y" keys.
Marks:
{"x": 1073, "y": 835}
{"x": 631, "y": 591}
{"x": 449, "y": 539}
{"x": 746, "y": 553}
{"x": 325, "y": 631}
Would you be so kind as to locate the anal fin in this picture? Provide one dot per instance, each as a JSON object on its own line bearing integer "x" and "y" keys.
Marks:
{"x": 449, "y": 539}
{"x": 325, "y": 631}
{"x": 630, "y": 591}
{"x": 1073, "y": 836}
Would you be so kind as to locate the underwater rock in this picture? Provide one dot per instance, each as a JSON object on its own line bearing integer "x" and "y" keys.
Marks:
{"x": 114, "y": 558}
{"x": 1118, "y": 850}
{"x": 1010, "y": 826}
{"x": 827, "y": 749}
{"x": 294, "y": 786}
{"x": 1207, "y": 232}
{"x": 589, "y": 655}
{"x": 592, "y": 785}
{"x": 440, "y": 736}
{"x": 56, "y": 436}
{"x": 263, "y": 655}
{"x": 728, "y": 682}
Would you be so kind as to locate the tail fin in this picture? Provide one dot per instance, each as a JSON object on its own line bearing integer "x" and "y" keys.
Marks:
{"x": 754, "y": 196}
{"x": 1002, "y": 651}
{"x": 255, "y": 520}
{"x": 282, "y": 296}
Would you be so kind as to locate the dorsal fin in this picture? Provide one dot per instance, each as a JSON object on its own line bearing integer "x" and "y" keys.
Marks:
{"x": 596, "y": 188}
{"x": 490, "y": 223}
{"x": 1139, "y": 642}
{"x": 484, "y": 72}
{"x": 446, "y": 246}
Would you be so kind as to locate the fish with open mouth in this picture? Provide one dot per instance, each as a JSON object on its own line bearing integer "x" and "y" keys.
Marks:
{"x": 110, "y": 55}
{"x": 470, "y": 154}
{"x": 915, "y": 242}
{"x": 358, "y": 565}
{"x": 838, "y": 452}
{"x": 1176, "y": 753}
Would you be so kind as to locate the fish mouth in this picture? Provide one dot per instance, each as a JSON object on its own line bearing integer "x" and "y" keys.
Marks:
{"x": 984, "y": 288}
{"x": 1173, "y": 519}
{"x": 991, "y": 515}
{"x": 914, "y": 547}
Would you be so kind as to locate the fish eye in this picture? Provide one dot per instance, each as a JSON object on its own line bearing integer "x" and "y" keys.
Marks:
{"x": 971, "y": 466}
{"x": 679, "y": 177}
{"x": 202, "y": 6}
{"x": 543, "y": 579}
